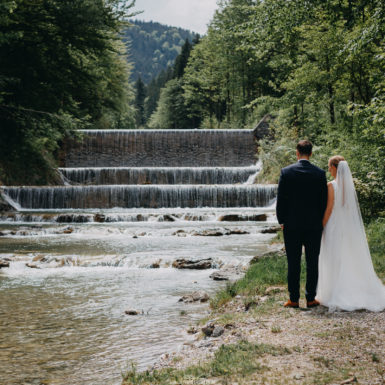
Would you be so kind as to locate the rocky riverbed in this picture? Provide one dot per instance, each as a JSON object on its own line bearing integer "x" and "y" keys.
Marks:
{"x": 318, "y": 346}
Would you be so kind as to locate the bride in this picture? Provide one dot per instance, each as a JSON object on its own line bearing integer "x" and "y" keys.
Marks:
{"x": 347, "y": 280}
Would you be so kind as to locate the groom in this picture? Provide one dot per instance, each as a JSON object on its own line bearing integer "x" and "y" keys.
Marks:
{"x": 301, "y": 203}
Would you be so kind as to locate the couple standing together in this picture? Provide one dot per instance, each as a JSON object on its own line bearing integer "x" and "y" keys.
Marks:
{"x": 325, "y": 218}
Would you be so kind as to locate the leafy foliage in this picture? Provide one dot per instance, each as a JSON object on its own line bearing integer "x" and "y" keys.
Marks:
{"x": 318, "y": 67}
{"x": 62, "y": 67}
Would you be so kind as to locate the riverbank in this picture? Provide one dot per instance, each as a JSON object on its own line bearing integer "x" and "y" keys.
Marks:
{"x": 264, "y": 343}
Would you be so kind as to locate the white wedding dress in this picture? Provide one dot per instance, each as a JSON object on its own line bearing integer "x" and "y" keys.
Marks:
{"x": 347, "y": 280}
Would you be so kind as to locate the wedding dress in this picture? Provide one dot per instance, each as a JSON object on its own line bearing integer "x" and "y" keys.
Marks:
{"x": 347, "y": 280}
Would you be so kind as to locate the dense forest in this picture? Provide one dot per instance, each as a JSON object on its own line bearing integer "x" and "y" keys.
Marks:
{"x": 317, "y": 66}
{"x": 152, "y": 113}
{"x": 63, "y": 67}
{"x": 153, "y": 47}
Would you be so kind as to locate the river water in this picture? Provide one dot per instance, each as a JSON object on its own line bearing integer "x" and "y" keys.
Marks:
{"x": 63, "y": 321}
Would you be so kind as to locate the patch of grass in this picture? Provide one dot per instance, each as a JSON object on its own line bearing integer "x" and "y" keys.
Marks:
{"x": 276, "y": 329}
{"x": 375, "y": 357}
{"x": 237, "y": 359}
{"x": 278, "y": 238}
{"x": 267, "y": 271}
{"x": 375, "y": 232}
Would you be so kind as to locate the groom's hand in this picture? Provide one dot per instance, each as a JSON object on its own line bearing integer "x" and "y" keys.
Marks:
{"x": 282, "y": 226}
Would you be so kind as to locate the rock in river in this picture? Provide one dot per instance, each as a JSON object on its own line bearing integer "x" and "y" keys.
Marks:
{"x": 240, "y": 218}
{"x": 199, "y": 264}
{"x": 271, "y": 230}
{"x": 131, "y": 312}
{"x": 218, "y": 276}
{"x": 200, "y": 296}
{"x": 3, "y": 263}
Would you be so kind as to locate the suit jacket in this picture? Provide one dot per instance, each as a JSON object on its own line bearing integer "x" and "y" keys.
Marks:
{"x": 302, "y": 196}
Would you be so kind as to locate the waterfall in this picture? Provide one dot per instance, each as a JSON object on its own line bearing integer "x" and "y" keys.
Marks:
{"x": 152, "y": 196}
{"x": 158, "y": 175}
{"x": 161, "y": 148}
{"x": 152, "y": 169}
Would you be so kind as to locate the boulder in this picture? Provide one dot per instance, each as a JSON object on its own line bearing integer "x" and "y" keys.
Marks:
{"x": 168, "y": 218}
{"x": 179, "y": 233}
{"x": 32, "y": 266}
{"x": 155, "y": 265}
{"x": 68, "y": 230}
{"x": 242, "y": 218}
{"x": 39, "y": 258}
{"x": 199, "y": 264}
{"x": 208, "y": 329}
{"x": 208, "y": 233}
{"x": 197, "y": 296}
{"x": 99, "y": 218}
{"x": 218, "y": 331}
{"x": 237, "y": 232}
{"x": 131, "y": 312}
{"x": 219, "y": 276}
{"x": 271, "y": 230}
{"x": 192, "y": 330}
{"x": 3, "y": 263}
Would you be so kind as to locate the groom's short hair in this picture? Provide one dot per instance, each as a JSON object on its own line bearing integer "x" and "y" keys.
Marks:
{"x": 305, "y": 147}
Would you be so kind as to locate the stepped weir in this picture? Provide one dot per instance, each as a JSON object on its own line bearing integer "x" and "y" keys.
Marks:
{"x": 153, "y": 169}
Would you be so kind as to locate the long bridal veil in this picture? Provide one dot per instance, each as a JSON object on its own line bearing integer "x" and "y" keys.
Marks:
{"x": 347, "y": 277}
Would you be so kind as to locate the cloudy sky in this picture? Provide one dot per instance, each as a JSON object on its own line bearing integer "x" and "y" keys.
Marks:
{"x": 189, "y": 14}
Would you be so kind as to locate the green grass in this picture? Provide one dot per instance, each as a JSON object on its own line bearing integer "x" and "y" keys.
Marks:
{"x": 375, "y": 232}
{"x": 236, "y": 359}
{"x": 268, "y": 271}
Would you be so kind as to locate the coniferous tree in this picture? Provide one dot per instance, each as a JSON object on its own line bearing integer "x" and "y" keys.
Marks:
{"x": 140, "y": 95}
{"x": 181, "y": 60}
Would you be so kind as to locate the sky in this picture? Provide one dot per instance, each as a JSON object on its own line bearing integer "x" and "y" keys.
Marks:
{"x": 188, "y": 14}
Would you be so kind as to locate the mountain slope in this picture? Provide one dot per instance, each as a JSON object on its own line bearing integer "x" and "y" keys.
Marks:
{"x": 153, "y": 47}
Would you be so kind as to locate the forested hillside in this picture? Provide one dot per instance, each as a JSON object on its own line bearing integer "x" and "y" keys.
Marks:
{"x": 318, "y": 67}
{"x": 153, "y": 47}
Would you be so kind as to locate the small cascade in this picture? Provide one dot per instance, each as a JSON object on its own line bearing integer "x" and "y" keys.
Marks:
{"x": 158, "y": 175}
{"x": 152, "y": 196}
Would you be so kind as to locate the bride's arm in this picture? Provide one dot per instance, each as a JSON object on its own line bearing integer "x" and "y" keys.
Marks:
{"x": 330, "y": 204}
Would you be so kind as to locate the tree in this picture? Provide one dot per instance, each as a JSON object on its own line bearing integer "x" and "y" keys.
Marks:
{"x": 62, "y": 67}
{"x": 139, "y": 102}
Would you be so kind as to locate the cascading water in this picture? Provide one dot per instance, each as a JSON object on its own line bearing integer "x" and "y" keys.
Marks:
{"x": 157, "y": 175}
{"x": 161, "y": 148}
{"x": 80, "y": 254}
{"x": 157, "y": 196}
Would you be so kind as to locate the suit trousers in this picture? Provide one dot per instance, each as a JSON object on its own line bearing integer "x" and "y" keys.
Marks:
{"x": 294, "y": 240}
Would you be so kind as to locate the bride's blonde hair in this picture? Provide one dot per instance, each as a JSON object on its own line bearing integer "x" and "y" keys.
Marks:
{"x": 334, "y": 160}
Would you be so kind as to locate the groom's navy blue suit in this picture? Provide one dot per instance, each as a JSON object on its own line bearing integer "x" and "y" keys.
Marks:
{"x": 301, "y": 203}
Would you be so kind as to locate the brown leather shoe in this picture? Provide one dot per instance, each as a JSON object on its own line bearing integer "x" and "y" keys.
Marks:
{"x": 313, "y": 303}
{"x": 292, "y": 304}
